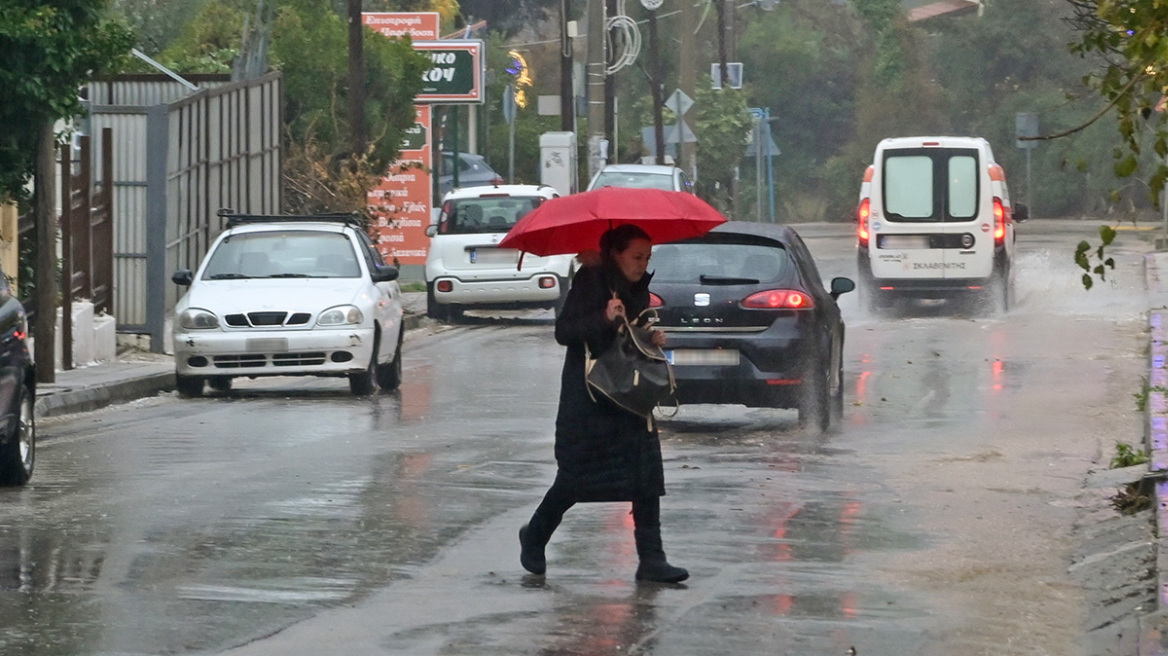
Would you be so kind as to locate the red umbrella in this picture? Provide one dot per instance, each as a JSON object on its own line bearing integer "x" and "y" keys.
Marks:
{"x": 570, "y": 224}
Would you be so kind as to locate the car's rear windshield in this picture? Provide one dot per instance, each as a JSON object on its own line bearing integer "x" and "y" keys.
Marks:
{"x": 718, "y": 262}
{"x": 638, "y": 180}
{"x": 484, "y": 214}
{"x": 284, "y": 254}
{"x": 931, "y": 184}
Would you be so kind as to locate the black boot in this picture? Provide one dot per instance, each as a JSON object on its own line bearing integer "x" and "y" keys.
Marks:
{"x": 653, "y": 566}
{"x": 534, "y": 535}
{"x": 531, "y": 551}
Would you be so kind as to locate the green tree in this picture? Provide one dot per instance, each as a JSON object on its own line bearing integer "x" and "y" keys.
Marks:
{"x": 50, "y": 50}
{"x": 722, "y": 127}
{"x": 310, "y": 46}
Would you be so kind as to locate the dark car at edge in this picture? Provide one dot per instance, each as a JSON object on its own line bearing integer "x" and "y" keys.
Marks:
{"x": 750, "y": 322}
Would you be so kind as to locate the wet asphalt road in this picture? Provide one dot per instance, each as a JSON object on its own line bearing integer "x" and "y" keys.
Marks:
{"x": 288, "y": 517}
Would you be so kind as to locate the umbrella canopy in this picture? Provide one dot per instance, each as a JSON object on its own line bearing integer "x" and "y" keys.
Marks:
{"x": 574, "y": 223}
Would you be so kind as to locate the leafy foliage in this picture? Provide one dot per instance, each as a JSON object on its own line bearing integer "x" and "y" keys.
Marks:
{"x": 723, "y": 124}
{"x": 1083, "y": 257}
{"x": 50, "y": 50}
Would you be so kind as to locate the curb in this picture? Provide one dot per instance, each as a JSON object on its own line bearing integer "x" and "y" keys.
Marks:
{"x": 99, "y": 396}
{"x": 1153, "y": 638}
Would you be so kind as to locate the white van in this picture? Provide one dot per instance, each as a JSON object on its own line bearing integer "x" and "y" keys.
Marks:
{"x": 935, "y": 221}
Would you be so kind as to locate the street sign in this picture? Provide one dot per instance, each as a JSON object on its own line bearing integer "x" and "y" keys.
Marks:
{"x": 679, "y": 133}
{"x": 456, "y": 73}
{"x": 509, "y": 104}
{"x": 679, "y": 103}
{"x": 733, "y": 71}
{"x": 1026, "y": 125}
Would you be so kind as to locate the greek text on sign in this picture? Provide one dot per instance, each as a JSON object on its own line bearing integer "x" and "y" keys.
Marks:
{"x": 456, "y": 73}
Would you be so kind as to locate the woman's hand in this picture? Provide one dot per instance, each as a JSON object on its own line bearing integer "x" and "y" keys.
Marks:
{"x": 614, "y": 309}
{"x": 658, "y": 338}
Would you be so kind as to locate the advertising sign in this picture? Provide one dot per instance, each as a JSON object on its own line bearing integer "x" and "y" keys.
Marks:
{"x": 456, "y": 73}
{"x": 401, "y": 203}
{"x": 419, "y": 26}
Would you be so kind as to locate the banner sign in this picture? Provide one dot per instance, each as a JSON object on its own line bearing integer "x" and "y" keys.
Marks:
{"x": 456, "y": 73}
{"x": 401, "y": 204}
{"x": 419, "y": 26}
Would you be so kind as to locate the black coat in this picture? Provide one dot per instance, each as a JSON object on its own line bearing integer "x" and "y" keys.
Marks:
{"x": 604, "y": 452}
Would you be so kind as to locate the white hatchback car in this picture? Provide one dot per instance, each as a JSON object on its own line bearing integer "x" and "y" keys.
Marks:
{"x": 466, "y": 269}
{"x": 289, "y": 296}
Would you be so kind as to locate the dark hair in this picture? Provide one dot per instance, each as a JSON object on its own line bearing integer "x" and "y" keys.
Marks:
{"x": 618, "y": 239}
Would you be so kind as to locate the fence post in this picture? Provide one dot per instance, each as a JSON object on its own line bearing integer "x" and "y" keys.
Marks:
{"x": 157, "y": 145}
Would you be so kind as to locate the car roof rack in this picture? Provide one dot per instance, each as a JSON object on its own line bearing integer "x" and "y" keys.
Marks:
{"x": 233, "y": 218}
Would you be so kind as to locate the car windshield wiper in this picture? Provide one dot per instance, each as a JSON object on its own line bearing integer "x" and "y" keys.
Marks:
{"x": 726, "y": 280}
{"x": 228, "y": 276}
{"x": 292, "y": 275}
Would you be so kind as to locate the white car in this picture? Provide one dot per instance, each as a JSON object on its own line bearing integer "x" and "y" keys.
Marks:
{"x": 289, "y": 296}
{"x": 642, "y": 176}
{"x": 465, "y": 268}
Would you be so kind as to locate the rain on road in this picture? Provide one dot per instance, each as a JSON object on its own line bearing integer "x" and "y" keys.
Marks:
{"x": 290, "y": 518}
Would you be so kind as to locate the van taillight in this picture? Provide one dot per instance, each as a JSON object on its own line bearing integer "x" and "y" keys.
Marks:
{"x": 776, "y": 299}
{"x": 655, "y": 301}
{"x": 999, "y": 222}
{"x": 862, "y": 217}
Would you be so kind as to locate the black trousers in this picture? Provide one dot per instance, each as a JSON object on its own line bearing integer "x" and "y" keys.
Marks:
{"x": 558, "y": 499}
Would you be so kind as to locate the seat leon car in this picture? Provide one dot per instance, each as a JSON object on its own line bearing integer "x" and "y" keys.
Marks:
{"x": 289, "y": 296}
{"x": 748, "y": 321}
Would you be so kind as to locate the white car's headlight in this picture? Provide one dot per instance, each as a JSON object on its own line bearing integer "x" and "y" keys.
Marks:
{"x": 198, "y": 319}
{"x": 341, "y": 315}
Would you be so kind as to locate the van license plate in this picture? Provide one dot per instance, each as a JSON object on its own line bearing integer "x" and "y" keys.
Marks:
{"x": 703, "y": 357}
{"x": 904, "y": 242}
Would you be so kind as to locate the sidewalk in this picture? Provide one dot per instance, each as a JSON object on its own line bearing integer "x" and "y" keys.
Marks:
{"x": 137, "y": 375}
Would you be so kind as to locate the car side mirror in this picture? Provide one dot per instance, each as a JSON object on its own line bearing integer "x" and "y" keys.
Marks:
{"x": 1021, "y": 212}
{"x": 431, "y": 230}
{"x": 385, "y": 273}
{"x": 183, "y": 277}
{"x": 841, "y": 285}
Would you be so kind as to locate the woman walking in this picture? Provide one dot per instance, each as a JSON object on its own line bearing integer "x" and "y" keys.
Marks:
{"x": 604, "y": 452}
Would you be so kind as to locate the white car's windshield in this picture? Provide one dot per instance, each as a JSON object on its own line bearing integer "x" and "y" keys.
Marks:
{"x": 290, "y": 254}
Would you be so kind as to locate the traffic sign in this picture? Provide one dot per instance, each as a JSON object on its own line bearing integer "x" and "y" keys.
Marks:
{"x": 679, "y": 103}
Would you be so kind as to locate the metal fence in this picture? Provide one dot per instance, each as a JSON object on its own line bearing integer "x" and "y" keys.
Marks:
{"x": 175, "y": 165}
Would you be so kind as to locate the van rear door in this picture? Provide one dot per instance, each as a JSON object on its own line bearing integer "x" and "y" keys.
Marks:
{"x": 930, "y": 201}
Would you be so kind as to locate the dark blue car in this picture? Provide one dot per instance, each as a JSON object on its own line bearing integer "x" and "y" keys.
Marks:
{"x": 17, "y": 392}
{"x": 749, "y": 321}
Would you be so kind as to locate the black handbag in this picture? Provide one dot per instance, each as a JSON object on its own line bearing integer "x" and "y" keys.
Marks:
{"x": 632, "y": 373}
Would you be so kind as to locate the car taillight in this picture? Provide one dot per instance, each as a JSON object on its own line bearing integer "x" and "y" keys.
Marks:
{"x": 999, "y": 222}
{"x": 774, "y": 299}
{"x": 547, "y": 282}
{"x": 862, "y": 216}
{"x": 655, "y": 301}
{"x": 444, "y": 286}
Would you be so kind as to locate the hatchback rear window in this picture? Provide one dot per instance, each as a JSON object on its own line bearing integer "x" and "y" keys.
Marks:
{"x": 693, "y": 262}
{"x": 635, "y": 180}
{"x": 931, "y": 185}
{"x": 484, "y": 214}
{"x": 286, "y": 254}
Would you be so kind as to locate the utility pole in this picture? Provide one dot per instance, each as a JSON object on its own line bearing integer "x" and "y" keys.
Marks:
{"x": 356, "y": 80}
{"x": 595, "y": 74}
{"x": 567, "y": 101}
{"x": 610, "y": 92}
{"x": 688, "y": 78}
{"x": 722, "y": 68}
{"x": 45, "y": 277}
{"x": 655, "y": 82}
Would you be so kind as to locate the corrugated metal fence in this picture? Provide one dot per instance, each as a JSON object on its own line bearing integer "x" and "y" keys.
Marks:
{"x": 177, "y": 161}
